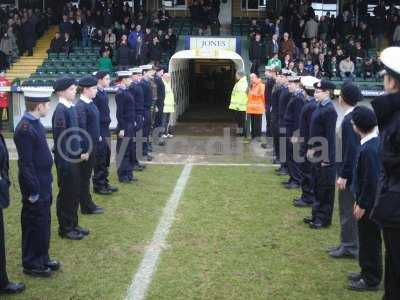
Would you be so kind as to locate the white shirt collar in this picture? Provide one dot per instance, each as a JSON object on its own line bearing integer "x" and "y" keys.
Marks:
{"x": 349, "y": 110}
{"x": 368, "y": 137}
{"x": 85, "y": 99}
{"x": 65, "y": 102}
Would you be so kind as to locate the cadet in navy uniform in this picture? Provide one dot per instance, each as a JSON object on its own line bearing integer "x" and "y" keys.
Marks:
{"x": 387, "y": 208}
{"x": 159, "y": 105}
{"x": 348, "y": 247}
{"x": 270, "y": 75}
{"x": 307, "y": 183}
{"x": 89, "y": 123}
{"x": 274, "y": 111}
{"x": 35, "y": 181}
{"x": 365, "y": 184}
{"x": 322, "y": 133}
{"x": 148, "y": 74}
{"x": 101, "y": 184}
{"x": 6, "y": 287}
{"x": 291, "y": 119}
{"x": 67, "y": 155}
{"x": 284, "y": 98}
{"x": 126, "y": 117}
{"x": 137, "y": 92}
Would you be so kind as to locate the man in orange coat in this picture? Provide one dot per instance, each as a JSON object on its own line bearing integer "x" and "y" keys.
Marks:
{"x": 256, "y": 104}
{"x": 3, "y": 96}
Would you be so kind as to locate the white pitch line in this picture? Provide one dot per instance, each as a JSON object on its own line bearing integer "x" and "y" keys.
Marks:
{"x": 214, "y": 164}
{"x": 143, "y": 277}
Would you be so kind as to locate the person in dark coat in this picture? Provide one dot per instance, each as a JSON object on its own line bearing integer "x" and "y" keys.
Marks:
{"x": 56, "y": 44}
{"x": 6, "y": 287}
{"x": 35, "y": 181}
{"x": 159, "y": 105}
{"x": 148, "y": 73}
{"x": 123, "y": 56}
{"x": 67, "y": 155}
{"x": 291, "y": 122}
{"x": 274, "y": 112}
{"x": 322, "y": 131}
{"x": 89, "y": 124}
{"x": 155, "y": 51}
{"x": 101, "y": 184}
{"x": 307, "y": 183}
{"x": 126, "y": 118}
{"x": 348, "y": 247}
{"x": 270, "y": 81}
{"x": 387, "y": 207}
{"x": 29, "y": 36}
{"x": 365, "y": 186}
{"x": 137, "y": 92}
{"x": 256, "y": 53}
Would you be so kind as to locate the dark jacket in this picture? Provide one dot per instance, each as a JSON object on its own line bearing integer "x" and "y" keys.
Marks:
{"x": 292, "y": 115}
{"x": 126, "y": 113}
{"x": 101, "y": 101}
{"x": 4, "y": 181}
{"x": 256, "y": 51}
{"x": 387, "y": 206}
{"x": 34, "y": 159}
{"x": 304, "y": 126}
{"x": 124, "y": 55}
{"x": 89, "y": 121}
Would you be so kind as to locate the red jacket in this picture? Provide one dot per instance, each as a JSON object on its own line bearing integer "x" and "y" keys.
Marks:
{"x": 4, "y": 96}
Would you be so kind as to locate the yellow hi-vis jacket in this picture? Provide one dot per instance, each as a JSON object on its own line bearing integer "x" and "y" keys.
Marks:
{"x": 169, "y": 102}
{"x": 239, "y": 95}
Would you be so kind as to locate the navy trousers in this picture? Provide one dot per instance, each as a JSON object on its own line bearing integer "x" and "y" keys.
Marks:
{"x": 146, "y": 130}
{"x": 3, "y": 273}
{"x": 35, "y": 223}
{"x": 324, "y": 188}
{"x": 86, "y": 169}
{"x": 102, "y": 163}
{"x": 307, "y": 182}
{"x": 293, "y": 166}
{"x": 124, "y": 158}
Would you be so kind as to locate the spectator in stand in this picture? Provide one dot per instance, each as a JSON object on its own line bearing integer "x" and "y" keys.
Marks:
{"x": 29, "y": 35}
{"x": 317, "y": 72}
{"x": 311, "y": 29}
{"x": 6, "y": 47}
{"x": 347, "y": 68}
{"x": 77, "y": 29}
{"x": 301, "y": 71}
{"x": 272, "y": 46}
{"x": 275, "y": 61}
{"x": 65, "y": 26}
{"x": 396, "y": 35}
{"x": 256, "y": 53}
{"x": 123, "y": 56}
{"x": 309, "y": 67}
{"x": 286, "y": 61}
{"x": 254, "y": 28}
{"x": 287, "y": 46}
{"x": 334, "y": 67}
{"x": 67, "y": 44}
{"x": 98, "y": 38}
{"x": 105, "y": 63}
{"x": 155, "y": 51}
{"x": 133, "y": 36}
{"x": 56, "y": 44}
{"x": 110, "y": 39}
{"x": 323, "y": 28}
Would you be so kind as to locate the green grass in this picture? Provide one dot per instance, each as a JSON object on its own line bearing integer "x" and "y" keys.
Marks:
{"x": 102, "y": 265}
{"x": 237, "y": 236}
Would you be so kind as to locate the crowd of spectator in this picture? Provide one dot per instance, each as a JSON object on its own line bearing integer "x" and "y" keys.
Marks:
{"x": 345, "y": 46}
{"x": 19, "y": 31}
{"x": 125, "y": 36}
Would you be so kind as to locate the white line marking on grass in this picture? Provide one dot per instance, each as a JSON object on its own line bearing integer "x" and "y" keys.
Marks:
{"x": 142, "y": 279}
{"x": 215, "y": 164}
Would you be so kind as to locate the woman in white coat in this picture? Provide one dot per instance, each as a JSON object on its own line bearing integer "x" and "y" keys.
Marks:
{"x": 169, "y": 106}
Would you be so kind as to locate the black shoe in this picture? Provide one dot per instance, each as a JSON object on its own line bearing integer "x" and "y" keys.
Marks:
{"x": 96, "y": 211}
{"x": 308, "y": 220}
{"x": 361, "y": 286}
{"x": 276, "y": 161}
{"x": 162, "y": 143}
{"x": 342, "y": 253}
{"x": 317, "y": 225}
{"x": 124, "y": 180}
{"x": 53, "y": 265}
{"x": 133, "y": 179}
{"x": 12, "y": 288}
{"x": 71, "y": 235}
{"x": 282, "y": 173}
{"x": 301, "y": 203}
{"x": 149, "y": 157}
{"x": 333, "y": 248}
{"x": 82, "y": 230}
{"x": 292, "y": 186}
{"x": 286, "y": 182}
{"x": 102, "y": 191}
{"x": 45, "y": 272}
{"x": 139, "y": 168}
{"x": 354, "y": 276}
{"x": 112, "y": 189}
{"x": 264, "y": 145}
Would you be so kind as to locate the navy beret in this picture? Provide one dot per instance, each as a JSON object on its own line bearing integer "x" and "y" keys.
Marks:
{"x": 364, "y": 118}
{"x": 324, "y": 85}
{"x": 63, "y": 83}
{"x": 101, "y": 74}
{"x": 351, "y": 93}
{"x": 87, "y": 81}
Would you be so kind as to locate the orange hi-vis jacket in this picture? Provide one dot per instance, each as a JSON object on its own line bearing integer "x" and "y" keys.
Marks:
{"x": 256, "y": 103}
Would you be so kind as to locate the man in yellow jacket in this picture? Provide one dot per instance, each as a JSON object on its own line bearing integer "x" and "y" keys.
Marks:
{"x": 239, "y": 101}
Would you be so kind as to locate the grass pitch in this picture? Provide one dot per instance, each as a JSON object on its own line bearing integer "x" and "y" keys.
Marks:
{"x": 236, "y": 236}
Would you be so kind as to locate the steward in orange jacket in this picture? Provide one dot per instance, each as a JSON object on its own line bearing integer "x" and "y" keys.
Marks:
{"x": 256, "y": 104}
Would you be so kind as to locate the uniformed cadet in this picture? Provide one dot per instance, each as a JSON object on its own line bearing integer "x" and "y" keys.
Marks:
{"x": 270, "y": 75}
{"x": 307, "y": 183}
{"x": 126, "y": 117}
{"x": 284, "y": 98}
{"x": 350, "y": 95}
{"x": 89, "y": 123}
{"x": 365, "y": 186}
{"x": 159, "y": 105}
{"x": 322, "y": 153}
{"x": 137, "y": 92}
{"x": 292, "y": 121}
{"x": 35, "y": 181}
{"x": 101, "y": 184}
{"x": 274, "y": 112}
{"x": 239, "y": 101}
{"x": 67, "y": 155}
{"x": 387, "y": 207}
{"x": 148, "y": 74}
{"x": 6, "y": 287}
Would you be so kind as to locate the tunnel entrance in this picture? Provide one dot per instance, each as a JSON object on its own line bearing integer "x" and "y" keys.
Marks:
{"x": 203, "y": 87}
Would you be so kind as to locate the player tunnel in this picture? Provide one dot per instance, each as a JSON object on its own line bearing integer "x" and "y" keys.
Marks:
{"x": 202, "y": 82}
